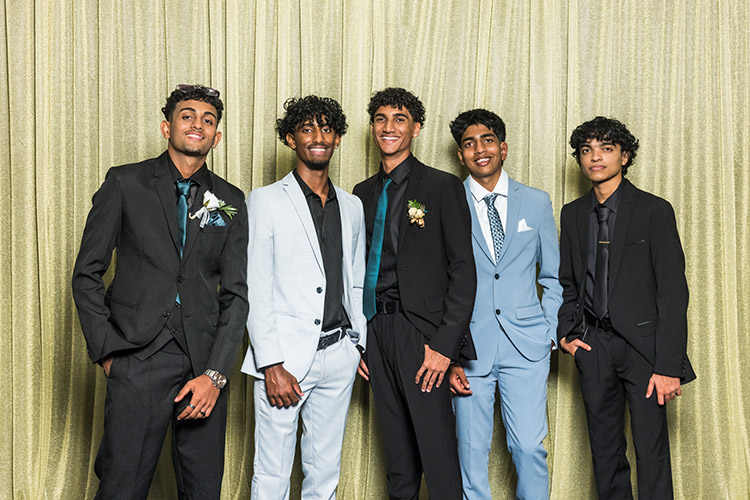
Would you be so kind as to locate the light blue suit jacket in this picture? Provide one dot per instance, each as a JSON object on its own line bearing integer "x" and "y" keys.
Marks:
{"x": 507, "y": 298}
{"x": 286, "y": 278}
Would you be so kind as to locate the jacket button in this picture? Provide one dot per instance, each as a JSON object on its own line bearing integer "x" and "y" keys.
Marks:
{"x": 317, "y": 321}
{"x": 497, "y": 311}
{"x": 319, "y": 290}
{"x": 165, "y": 313}
{"x": 497, "y": 276}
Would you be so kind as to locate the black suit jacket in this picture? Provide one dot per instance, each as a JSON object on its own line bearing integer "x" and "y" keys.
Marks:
{"x": 434, "y": 264}
{"x": 648, "y": 293}
{"x": 135, "y": 211}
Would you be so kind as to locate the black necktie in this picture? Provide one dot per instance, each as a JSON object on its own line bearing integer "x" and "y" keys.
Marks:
{"x": 601, "y": 274}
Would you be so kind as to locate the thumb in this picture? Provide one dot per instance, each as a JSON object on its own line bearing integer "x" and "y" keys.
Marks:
{"x": 297, "y": 388}
{"x": 650, "y": 389}
{"x": 183, "y": 392}
{"x": 464, "y": 380}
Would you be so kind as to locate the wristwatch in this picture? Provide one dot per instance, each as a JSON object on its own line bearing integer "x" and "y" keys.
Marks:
{"x": 219, "y": 379}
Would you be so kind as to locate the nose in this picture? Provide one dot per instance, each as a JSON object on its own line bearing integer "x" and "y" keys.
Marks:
{"x": 479, "y": 147}
{"x": 388, "y": 126}
{"x": 317, "y": 135}
{"x": 596, "y": 154}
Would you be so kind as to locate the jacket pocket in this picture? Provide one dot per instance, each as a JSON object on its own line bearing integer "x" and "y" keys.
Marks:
{"x": 528, "y": 312}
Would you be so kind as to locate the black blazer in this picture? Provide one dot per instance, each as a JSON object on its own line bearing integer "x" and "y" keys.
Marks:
{"x": 648, "y": 293}
{"x": 135, "y": 212}
{"x": 434, "y": 264}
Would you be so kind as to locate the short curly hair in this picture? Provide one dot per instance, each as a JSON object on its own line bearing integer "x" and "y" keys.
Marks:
{"x": 605, "y": 130}
{"x": 323, "y": 110}
{"x": 397, "y": 97}
{"x": 477, "y": 116}
{"x": 187, "y": 92}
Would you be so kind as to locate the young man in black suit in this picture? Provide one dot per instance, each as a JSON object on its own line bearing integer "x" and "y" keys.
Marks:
{"x": 167, "y": 327}
{"x": 418, "y": 297}
{"x": 624, "y": 311}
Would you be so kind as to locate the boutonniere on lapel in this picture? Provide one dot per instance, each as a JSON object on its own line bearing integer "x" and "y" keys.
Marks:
{"x": 416, "y": 213}
{"x": 210, "y": 212}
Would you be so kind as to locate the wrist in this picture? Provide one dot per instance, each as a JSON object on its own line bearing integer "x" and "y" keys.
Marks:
{"x": 217, "y": 378}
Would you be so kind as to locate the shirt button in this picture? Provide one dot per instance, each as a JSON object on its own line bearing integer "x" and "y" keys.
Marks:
{"x": 317, "y": 321}
{"x": 319, "y": 290}
{"x": 497, "y": 276}
{"x": 165, "y": 313}
{"x": 179, "y": 279}
{"x": 497, "y": 311}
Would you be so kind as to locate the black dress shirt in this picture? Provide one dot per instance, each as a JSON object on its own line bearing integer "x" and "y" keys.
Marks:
{"x": 327, "y": 221}
{"x": 612, "y": 203}
{"x": 387, "y": 287}
{"x": 197, "y": 179}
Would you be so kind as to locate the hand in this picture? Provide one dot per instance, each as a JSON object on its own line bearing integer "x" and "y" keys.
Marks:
{"x": 458, "y": 381}
{"x": 433, "y": 368}
{"x": 667, "y": 388}
{"x": 362, "y": 369}
{"x": 572, "y": 346}
{"x": 282, "y": 389}
{"x": 107, "y": 364}
{"x": 203, "y": 400}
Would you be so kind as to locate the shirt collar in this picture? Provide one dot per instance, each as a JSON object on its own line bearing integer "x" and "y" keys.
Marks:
{"x": 197, "y": 177}
{"x": 478, "y": 192}
{"x": 401, "y": 172}
{"x": 612, "y": 203}
{"x": 309, "y": 192}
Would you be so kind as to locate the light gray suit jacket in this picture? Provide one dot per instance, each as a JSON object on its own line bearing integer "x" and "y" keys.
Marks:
{"x": 285, "y": 271}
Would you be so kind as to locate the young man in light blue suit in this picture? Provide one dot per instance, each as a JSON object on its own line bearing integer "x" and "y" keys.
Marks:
{"x": 513, "y": 232}
{"x": 306, "y": 260}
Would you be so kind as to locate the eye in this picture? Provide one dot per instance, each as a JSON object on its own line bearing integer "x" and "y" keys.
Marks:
{"x": 379, "y": 119}
{"x": 326, "y": 130}
{"x": 489, "y": 140}
{"x": 468, "y": 144}
{"x": 585, "y": 150}
{"x": 608, "y": 148}
{"x": 208, "y": 121}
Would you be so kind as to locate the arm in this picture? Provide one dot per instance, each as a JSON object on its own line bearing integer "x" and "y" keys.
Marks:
{"x": 100, "y": 237}
{"x": 566, "y": 316}
{"x": 549, "y": 265}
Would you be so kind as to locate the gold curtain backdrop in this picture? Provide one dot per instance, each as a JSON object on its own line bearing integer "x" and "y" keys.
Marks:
{"x": 81, "y": 89}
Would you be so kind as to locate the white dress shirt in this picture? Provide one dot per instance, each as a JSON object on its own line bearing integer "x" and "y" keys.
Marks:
{"x": 478, "y": 192}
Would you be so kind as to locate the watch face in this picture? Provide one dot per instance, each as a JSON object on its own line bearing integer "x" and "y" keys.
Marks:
{"x": 221, "y": 380}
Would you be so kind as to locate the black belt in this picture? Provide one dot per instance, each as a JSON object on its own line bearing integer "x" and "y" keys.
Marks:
{"x": 388, "y": 307}
{"x": 331, "y": 338}
{"x": 604, "y": 324}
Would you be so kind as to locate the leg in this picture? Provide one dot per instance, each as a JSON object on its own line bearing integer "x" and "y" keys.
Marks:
{"x": 324, "y": 420}
{"x": 604, "y": 400}
{"x": 648, "y": 423}
{"x": 474, "y": 421}
{"x": 138, "y": 410}
{"x": 523, "y": 398}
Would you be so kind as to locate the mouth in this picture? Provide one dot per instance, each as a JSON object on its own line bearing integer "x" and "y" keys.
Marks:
{"x": 317, "y": 150}
{"x": 388, "y": 139}
{"x": 482, "y": 162}
{"x": 195, "y": 136}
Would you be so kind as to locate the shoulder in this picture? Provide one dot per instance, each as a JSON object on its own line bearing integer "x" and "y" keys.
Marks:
{"x": 365, "y": 184}
{"x": 227, "y": 190}
{"x": 532, "y": 194}
{"x": 650, "y": 202}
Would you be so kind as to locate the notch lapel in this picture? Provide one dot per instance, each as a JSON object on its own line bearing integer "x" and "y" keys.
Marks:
{"x": 582, "y": 225}
{"x": 476, "y": 228}
{"x": 297, "y": 198}
{"x": 412, "y": 190}
{"x": 513, "y": 209}
{"x": 164, "y": 186}
{"x": 193, "y": 225}
{"x": 625, "y": 210}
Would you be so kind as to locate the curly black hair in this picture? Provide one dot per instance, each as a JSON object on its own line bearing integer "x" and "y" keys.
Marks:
{"x": 397, "y": 97}
{"x": 187, "y": 92}
{"x": 324, "y": 110}
{"x": 477, "y": 116}
{"x": 604, "y": 130}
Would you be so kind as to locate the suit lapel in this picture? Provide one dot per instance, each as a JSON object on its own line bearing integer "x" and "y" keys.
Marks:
{"x": 193, "y": 225}
{"x": 298, "y": 201}
{"x": 624, "y": 211}
{"x": 346, "y": 240}
{"x": 412, "y": 190}
{"x": 164, "y": 186}
{"x": 513, "y": 209}
{"x": 476, "y": 228}
{"x": 582, "y": 225}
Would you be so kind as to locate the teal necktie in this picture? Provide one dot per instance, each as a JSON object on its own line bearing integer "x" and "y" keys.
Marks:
{"x": 183, "y": 192}
{"x": 376, "y": 248}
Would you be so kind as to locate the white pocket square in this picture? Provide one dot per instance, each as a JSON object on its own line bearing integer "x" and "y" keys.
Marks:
{"x": 522, "y": 226}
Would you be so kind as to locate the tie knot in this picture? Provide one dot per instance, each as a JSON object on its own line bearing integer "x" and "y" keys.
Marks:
{"x": 386, "y": 182}
{"x": 602, "y": 213}
{"x": 490, "y": 199}
{"x": 183, "y": 187}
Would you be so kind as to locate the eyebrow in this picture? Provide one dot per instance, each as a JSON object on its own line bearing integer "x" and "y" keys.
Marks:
{"x": 489, "y": 134}
{"x": 395, "y": 114}
{"x": 188, "y": 108}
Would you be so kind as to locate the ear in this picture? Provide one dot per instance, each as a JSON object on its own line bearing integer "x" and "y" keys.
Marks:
{"x": 417, "y": 128}
{"x": 290, "y": 141}
{"x": 624, "y": 158}
{"x": 217, "y": 139}
{"x": 461, "y": 157}
{"x": 503, "y": 151}
{"x": 165, "y": 129}
{"x": 337, "y": 142}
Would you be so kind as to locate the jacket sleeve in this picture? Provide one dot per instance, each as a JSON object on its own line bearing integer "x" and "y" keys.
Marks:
{"x": 566, "y": 316}
{"x": 549, "y": 266}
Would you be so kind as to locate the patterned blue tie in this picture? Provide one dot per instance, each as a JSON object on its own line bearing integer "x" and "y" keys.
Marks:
{"x": 183, "y": 192}
{"x": 376, "y": 248}
{"x": 496, "y": 225}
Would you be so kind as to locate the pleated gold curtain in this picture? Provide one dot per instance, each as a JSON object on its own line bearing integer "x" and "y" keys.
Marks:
{"x": 81, "y": 88}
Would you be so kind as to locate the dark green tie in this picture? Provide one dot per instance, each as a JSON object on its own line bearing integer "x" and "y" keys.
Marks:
{"x": 183, "y": 192}
{"x": 376, "y": 248}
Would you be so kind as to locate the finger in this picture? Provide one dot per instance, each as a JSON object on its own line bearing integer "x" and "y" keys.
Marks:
{"x": 583, "y": 344}
{"x": 297, "y": 389}
{"x": 420, "y": 372}
{"x": 363, "y": 367}
{"x": 679, "y": 391}
{"x": 428, "y": 380}
{"x": 650, "y": 388}
{"x": 439, "y": 380}
{"x": 185, "y": 389}
{"x": 362, "y": 373}
{"x": 464, "y": 380}
{"x": 453, "y": 391}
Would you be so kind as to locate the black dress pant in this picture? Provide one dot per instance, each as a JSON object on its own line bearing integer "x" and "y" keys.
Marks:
{"x": 138, "y": 409}
{"x": 609, "y": 374}
{"x": 418, "y": 428}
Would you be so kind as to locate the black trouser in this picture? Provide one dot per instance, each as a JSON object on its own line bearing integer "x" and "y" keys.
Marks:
{"x": 609, "y": 374}
{"x": 139, "y": 406}
{"x": 418, "y": 428}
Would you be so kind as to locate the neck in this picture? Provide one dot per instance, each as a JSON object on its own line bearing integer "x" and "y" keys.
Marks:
{"x": 391, "y": 162}
{"x": 317, "y": 180}
{"x": 490, "y": 182}
{"x": 187, "y": 165}
{"x": 604, "y": 190}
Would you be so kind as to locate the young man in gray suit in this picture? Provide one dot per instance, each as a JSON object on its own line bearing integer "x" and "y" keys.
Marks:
{"x": 306, "y": 326}
{"x": 167, "y": 328}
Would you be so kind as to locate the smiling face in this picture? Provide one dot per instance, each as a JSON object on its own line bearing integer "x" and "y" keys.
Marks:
{"x": 483, "y": 154}
{"x": 192, "y": 129}
{"x": 602, "y": 163}
{"x": 313, "y": 143}
{"x": 393, "y": 129}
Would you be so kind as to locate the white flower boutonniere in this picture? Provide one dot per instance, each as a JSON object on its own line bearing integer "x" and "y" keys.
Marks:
{"x": 417, "y": 211}
{"x": 212, "y": 205}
